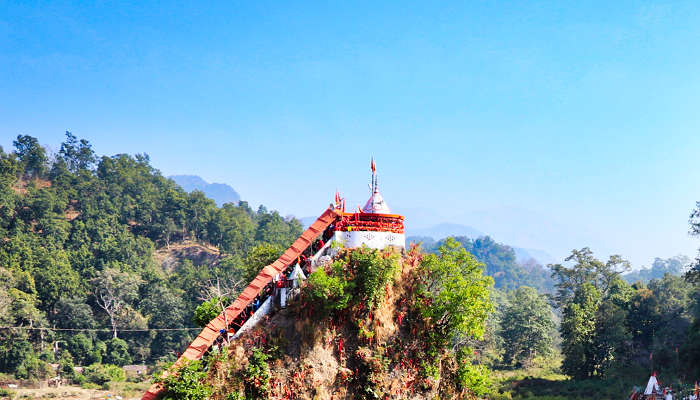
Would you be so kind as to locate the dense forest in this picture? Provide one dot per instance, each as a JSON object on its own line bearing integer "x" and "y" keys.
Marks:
{"x": 78, "y": 234}
{"x": 96, "y": 268}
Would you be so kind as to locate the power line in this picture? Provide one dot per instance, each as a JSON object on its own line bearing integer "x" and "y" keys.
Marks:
{"x": 96, "y": 329}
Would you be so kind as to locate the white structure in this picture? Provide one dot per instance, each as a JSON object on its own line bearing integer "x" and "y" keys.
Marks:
{"x": 374, "y": 226}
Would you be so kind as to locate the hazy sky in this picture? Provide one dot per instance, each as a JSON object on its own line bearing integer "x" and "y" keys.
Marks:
{"x": 549, "y": 125}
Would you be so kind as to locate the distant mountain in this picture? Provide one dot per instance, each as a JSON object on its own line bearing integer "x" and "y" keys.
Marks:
{"x": 677, "y": 266}
{"x": 221, "y": 193}
{"x": 541, "y": 256}
{"x": 446, "y": 229}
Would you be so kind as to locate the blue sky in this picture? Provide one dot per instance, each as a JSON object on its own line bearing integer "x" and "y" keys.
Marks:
{"x": 549, "y": 125}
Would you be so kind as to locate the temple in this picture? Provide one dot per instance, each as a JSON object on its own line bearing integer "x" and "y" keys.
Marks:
{"x": 373, "y": 225}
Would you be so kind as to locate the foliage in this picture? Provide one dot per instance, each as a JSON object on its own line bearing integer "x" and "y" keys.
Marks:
{"x": 328, "y": 293}
{"x": 103, "y": 373}
{"x": 188, "y": 382}
{"x": 259, "y": 257}
{"x": 455, "y": 293}
{"x": 359, "y": 276}
{"x": 578, "y": 332}
{"x": 475, "y": 378}
{"x": 372, "y": 271}
{"x": 65, "y": 366}
{"x": 694, "y": 272}
{"x": 80, "y": 346}
{"x": 527, "y": 326}
{"x": 208, "y": 310}
{"x": 79, "y": 232}
{"x": 586, "y": 270}
{"x": 500, "y": 263}
{"x": 256, "y": 378}
{"x": 117, "y": 352}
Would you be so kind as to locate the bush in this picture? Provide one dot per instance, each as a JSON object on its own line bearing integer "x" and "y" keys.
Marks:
{"x": 360, "y": 277}
{"x": 117, "y": 352}
{"x": 79, "y": 379}
{"x": 208, "y": 310}
{"x": 33, "y": 368}
{"x": 66, "y": 366}
{"x": 89, "y": 385}
{"x": 80, "y": 347}
{"x": 256, "y": 378}
{"x": 373, "y": 271}
{"x": 100, "y": 374}
{"x": 329, "y": 293}
{"x": 187, "y": 383}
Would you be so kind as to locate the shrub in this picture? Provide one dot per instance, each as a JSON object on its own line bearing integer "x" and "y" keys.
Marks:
{"x": 208, "y": 310}
{"x": 187, "y": 383}
{"x": 102, "y": 373}
{"x": 328, "y": 292}
{"x": 66, "y": 366}
{"x": 476, "y": 378}
{"x": 80, "y": 347}
{"x": 117, "y": 352}
{"x": 373, "y": 271}
{"x": 256, "y": 378}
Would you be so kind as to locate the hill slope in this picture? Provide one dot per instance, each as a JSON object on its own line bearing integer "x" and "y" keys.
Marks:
{"x": 369, "y": 325}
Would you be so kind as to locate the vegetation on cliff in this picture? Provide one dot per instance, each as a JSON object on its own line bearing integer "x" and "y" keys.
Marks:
{"x": 369, "y": 324}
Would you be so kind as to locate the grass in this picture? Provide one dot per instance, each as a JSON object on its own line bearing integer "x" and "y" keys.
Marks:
{"x": 544, "y": 381}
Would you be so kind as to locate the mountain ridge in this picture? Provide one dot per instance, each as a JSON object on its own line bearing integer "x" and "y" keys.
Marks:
{"x": 221, "y": 193}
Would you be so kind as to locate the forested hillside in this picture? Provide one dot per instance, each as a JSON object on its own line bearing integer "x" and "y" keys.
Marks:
{"x": 500, "y": 260}
{"x": 78, "y": 234}
{"x": 676, "y": 266}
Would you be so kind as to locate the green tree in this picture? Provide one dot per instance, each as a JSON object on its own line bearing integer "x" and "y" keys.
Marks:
{"x": 208, "y": 310}
{"x": 527, "y": 326}
{"x": 31, "y": 155}
{"x": 256, "y": 378}
{"x": 694, "y": 273}
{"x": 114, "y": 290}
{"x": 187, "y": 383}
{"x": 456, "y": 294}
{"x": 80, "y": 347}
{"x": 258, "y": 258}
{"x": 612, "y": 341}
{"x": 585, "y": 270}
{"x": 577, "y": 329}
{"x": 78, "y": 155}
{"x": 117, "y": 352}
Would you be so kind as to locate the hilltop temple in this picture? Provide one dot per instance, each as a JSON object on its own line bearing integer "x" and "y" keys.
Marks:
{"x": 374, "y": 225}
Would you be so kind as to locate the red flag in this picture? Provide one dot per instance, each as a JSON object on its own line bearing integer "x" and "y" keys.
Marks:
{"x": 374, "y": 168}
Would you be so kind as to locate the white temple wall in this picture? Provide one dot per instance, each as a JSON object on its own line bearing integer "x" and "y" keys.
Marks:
{"x": 372, "y": 239}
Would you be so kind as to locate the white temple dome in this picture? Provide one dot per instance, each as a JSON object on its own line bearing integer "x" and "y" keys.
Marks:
{"x": 376, "y": 204}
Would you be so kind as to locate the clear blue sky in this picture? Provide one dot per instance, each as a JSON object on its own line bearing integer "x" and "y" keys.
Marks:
{"x": 550, "y": 125}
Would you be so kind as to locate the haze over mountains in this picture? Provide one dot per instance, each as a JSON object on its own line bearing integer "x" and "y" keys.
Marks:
{"x": 501, "y": 225}
{"x": 221, "y": 193}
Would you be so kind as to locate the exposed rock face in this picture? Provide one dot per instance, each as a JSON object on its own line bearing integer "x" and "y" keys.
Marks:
{"x": 170, "y": 256}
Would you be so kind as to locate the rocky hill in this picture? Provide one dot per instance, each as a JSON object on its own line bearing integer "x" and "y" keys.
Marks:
{"x": 369, "y": 325}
